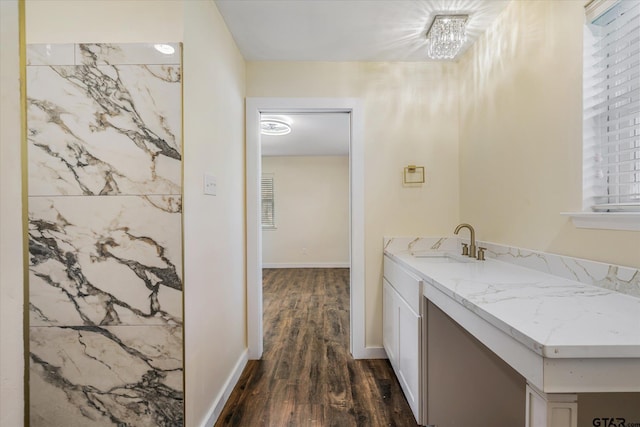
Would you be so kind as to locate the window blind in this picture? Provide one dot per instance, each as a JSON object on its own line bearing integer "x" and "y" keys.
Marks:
{"x": 612, "y": 104}
{"x": 268, "y": 218}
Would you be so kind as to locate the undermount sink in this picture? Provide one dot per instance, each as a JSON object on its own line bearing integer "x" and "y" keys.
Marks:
{"x": 441, "y": 257}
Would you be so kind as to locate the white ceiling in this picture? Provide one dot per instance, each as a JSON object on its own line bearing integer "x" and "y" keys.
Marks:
{"x": 339, "y": 30}
{"x": 312, "y": 134}
{"x": 345, "y": 30}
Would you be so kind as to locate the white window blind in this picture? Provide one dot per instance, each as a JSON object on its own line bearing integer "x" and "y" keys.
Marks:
{"x": 612, "y": 106}
{"x": 268, "y": 218}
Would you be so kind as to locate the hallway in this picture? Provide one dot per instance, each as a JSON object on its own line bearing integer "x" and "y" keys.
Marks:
{"x": 307, "y": 376}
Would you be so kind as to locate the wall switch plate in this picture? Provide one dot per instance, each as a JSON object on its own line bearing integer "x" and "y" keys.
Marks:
{"x": 210, "y": 184}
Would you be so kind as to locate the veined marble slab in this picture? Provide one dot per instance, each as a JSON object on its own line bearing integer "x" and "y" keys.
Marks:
{"x": 104, "y": 54}
{"x": 617, "y": 278}
{"x": 127, "y": 54}
{"x": 51, "y": 54}
{"x": 106, "y": 376}
{"x": 96, "y": 130}
{"x": 419, "y": 244}
{"x": 110, "y": 260}
{"x": 105, "y": 235}
{"x": 554, "y": 316}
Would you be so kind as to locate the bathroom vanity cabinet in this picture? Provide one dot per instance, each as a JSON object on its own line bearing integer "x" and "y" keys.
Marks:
{"x": 440, "y": 367}
{"x": 402, "y": 330}
{"x": 479, "y": 343}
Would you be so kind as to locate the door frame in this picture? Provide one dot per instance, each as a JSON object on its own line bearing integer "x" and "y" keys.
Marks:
{"x": 254, "y": 108}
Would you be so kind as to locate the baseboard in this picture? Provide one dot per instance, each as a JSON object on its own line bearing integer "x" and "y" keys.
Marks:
{"x": 223, "y": 396}
{"x": 307, "y": 265}
{"x": 370, "y": 353}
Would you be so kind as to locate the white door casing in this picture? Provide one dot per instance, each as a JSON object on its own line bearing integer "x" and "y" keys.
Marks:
{"x": 254, "y": 108}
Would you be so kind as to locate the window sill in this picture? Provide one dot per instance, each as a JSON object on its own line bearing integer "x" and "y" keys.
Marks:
{"x": 629, "y": 221}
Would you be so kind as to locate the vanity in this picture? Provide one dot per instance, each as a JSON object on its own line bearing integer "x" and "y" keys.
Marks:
{"x": 521, "y": 339}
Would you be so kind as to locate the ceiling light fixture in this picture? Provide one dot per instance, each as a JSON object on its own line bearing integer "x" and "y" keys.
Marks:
{"x": 274, "y": 127}
{"x": 446, "y": 36}
{"x": 167, "y": 49}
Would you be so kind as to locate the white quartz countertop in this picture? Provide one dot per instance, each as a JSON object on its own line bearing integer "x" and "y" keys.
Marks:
{"x": 552, "y": 316}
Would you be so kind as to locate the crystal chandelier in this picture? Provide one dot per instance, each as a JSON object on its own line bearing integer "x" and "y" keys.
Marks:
{"x": 446, "y": 36}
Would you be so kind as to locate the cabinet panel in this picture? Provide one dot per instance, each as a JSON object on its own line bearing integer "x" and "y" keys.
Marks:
{"x": 390, "y": 322}
{"x": 409, "y": 355}
{"x": 463, "y": 373}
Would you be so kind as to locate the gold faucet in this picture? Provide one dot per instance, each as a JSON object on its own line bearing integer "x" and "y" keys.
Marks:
{"x": 472, "y": 243}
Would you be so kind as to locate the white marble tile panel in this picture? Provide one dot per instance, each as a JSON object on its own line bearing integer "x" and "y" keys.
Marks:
{"x": 50, "y": 54}
{"x": 613, "y": 277}
{"x": 104, "y": 130}
{"x": 130, "y": 375}
{"x": 105, "y": 260}
{"x": 609, "y": 276}
{"x": 420, "y": 244}
{"x": 127, "y": 54}
{"x": 105, "y": 235}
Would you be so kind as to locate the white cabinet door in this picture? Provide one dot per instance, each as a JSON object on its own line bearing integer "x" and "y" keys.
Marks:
{"x": 401, "y": 330}
{"x": 409, "y": 347}
{"x": 390, "y": 322}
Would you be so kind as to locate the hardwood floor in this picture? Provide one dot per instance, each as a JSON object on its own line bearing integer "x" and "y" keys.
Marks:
{"x": 307, "y": 376}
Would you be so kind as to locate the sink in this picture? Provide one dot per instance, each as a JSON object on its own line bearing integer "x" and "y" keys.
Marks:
{"x": 441, "y": 257}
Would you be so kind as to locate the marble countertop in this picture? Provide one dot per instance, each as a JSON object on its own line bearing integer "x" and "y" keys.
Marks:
{"x": 553, "y": 316}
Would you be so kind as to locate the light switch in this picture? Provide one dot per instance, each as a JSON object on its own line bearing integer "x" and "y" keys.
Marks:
{"x": 210, "y": 185}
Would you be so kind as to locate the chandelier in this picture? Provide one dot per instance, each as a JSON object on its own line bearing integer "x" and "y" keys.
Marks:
{"x": 446, "y": 36}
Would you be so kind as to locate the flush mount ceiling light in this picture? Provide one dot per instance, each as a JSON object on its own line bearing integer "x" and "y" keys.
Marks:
{"x": 274, "y": 127}
{"x": 446, "y": 36}
{"x": 167, "y": 49}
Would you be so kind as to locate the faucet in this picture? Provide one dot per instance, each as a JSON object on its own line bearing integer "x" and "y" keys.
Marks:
{"x": 472, "y": 245}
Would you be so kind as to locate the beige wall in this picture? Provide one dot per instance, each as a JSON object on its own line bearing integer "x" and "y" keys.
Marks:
{"x": 411, "y": 117}
{"x": 11, "y": 275}
{"x": 215, "y": 326}
{"x": 311, "y": 212}
{"x": 109, "y": 21}
{"x": 521, "y": 135}
{"x": 214, "y": 230}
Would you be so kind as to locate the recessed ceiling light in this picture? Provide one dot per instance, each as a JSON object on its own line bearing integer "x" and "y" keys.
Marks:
{"x": 274, "y": 127}
{"x": 167, "y": 49}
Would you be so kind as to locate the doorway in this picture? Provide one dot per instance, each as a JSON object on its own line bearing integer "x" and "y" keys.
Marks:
{"x": 305, "y": 190}
{"x": 255, "y": 108}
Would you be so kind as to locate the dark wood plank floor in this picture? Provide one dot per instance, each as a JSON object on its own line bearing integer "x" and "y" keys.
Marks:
{"x": 307, "y": 376}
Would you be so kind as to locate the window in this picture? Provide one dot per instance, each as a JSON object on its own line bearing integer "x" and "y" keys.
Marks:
{"x": 266, "y": 189}
{"x": 612, "y": 106}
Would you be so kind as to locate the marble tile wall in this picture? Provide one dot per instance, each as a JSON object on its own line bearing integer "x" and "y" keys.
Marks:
{"x": 617, "y": 278}
{"x": 105, "y": 235}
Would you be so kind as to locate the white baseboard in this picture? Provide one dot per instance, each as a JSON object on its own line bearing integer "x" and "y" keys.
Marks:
{"x": 223, "y": 396}
{"x": 307, "y": 265}
{"x": 370, "y": 353}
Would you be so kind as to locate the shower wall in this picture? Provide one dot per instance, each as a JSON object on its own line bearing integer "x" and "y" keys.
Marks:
{"x": 105, "y": 235}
